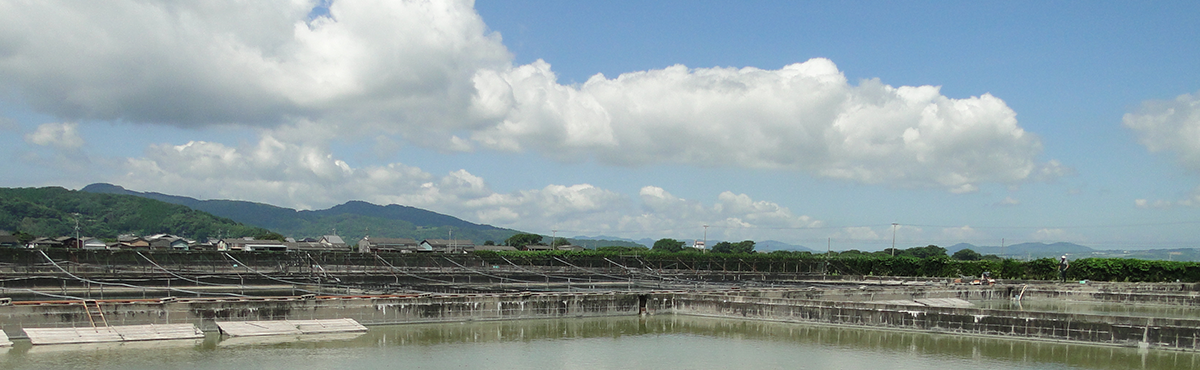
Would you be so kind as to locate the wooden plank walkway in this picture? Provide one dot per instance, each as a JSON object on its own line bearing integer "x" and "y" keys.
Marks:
{"x": 288, "y": 327}
{"x": 125, "y": 333}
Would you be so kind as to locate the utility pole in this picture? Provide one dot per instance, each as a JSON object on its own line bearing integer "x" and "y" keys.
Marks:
{"x": 78, "y": 243}
{"x": 894, "y": 238}
{"x": 705, "y": 238}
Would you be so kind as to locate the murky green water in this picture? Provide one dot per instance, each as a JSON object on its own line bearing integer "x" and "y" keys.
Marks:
{"x": 659, "y": 342}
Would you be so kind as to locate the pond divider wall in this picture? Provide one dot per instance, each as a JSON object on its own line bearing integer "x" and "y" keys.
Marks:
{"x": 832, "y": 307}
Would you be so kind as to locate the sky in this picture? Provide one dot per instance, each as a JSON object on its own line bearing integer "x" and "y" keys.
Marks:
{"x": 842, "y": 125}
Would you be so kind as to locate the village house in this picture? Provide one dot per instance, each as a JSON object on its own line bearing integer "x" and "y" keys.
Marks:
{"x": 446, "y": 245}
{"x": 8, "y": 240}
{"x": 494, "y": 248}
{"x": 374, "y": 245}
{"x": 250, "y": 245}
{"x": 324, "y": 243}
{"x": 44, "y": 243}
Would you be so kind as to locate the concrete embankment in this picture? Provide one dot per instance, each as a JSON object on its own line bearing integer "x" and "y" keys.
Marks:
{"x": 875, "y": 307}
{"x": 1166, "y": 333}
{"x": 368, "y": 310}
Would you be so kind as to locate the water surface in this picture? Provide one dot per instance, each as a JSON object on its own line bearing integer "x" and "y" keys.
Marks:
{"x": 657, "y": 342}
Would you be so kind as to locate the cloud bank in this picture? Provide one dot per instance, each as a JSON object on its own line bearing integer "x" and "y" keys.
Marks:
{"x": 432, "y": 74}
{"x": 1170, "y": 126}
{"x": 280, "y": 173}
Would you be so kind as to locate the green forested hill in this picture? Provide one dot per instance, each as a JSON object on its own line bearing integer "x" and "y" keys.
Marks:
{"x": 50, "y": 212}
{"x": 352, "y": 220}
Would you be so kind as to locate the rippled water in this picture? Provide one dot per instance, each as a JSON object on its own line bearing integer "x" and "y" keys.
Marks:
{"x": 658, "y": 342}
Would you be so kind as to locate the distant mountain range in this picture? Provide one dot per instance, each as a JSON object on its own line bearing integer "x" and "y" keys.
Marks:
{"x": 55, "y": 211}
{"x": 1026, "y": 250}
{"x": 1076, "y": 251}
{"x": 351, "y": 220}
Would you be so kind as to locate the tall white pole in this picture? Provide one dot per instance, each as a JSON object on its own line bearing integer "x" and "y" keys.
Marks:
{"x": 894, "y": 238}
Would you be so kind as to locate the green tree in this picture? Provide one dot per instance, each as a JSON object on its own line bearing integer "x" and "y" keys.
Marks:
{"x": 723, "y": 247}
{"x": 523, "y": 239}
{"x": 967, "y": 255}
{"x": 24, "y": 238}
{"x": 560, "y": 241}
{"x": 929, "y": 251}
{"x": 745, "y": 246}
{"x": 667, "y": 245}
{"x": 621, "y": 249}
{"x": 489, "y": 242}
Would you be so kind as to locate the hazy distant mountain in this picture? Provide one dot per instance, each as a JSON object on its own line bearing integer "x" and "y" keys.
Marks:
{"x": 1027, "y": 250}
{"x": 593, "y": 242}
{"x": 352, "y": 220}
{"x": 775, "y": 245}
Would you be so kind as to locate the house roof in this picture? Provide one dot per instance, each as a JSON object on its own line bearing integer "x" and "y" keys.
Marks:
{"x": 391, "y": 241}
{"x": 449, "y": 242}
{"x": 495, "y": 248}
{"x": 333, "y": 239}
{"x": 251, "y": 241}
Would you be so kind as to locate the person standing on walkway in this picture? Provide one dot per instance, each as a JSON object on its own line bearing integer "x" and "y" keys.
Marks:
{"x": 1063, "y": 265}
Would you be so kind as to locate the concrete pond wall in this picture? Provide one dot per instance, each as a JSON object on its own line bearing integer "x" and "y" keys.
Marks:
{"x": 368, "y": 310}
{"x": 849, "y": 306}
{"x": 1165, "y": 333}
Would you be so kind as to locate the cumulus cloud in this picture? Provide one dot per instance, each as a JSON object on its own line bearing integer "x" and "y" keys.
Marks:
{"x": 1170, "y": 126}
{"x": 805, "y": 116}
{"x": 310, "y": 177}
{"x": 431, "y": 73}
{"x": 399, "y": 65}
{"x": 1192, "y": 200}
{"x": 59, "y": 135}
{"x": 732, "y": 216}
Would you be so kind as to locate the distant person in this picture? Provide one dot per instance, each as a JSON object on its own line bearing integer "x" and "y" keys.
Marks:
{"x": 1063, "y": 265}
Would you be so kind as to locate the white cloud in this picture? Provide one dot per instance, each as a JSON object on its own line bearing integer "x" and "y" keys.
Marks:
{"x": 1056, "y": 235}
{"x": 430, "y": 73}
{"x": 804, "y": 116}
{"x": 1008, "y": 201}
{"x": 395, "y": 65}
{"x": 1171, "y": 126}
{"x": 858, "y": 233}
{"x": 961, "y": 233}
{"x": 59, "y": 135}
{"x": 310, "y": 177}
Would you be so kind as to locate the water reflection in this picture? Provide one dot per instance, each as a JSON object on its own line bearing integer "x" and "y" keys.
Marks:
{"x": 675, "y": 342}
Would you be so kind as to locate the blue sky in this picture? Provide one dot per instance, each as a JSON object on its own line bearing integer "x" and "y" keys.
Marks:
{"x": 803, "y": 122}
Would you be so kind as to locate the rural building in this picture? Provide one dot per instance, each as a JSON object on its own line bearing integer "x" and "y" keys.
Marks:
{"x": 250, "y": 245}
{"x": 402, "y": 245}
{"x": 446, "y": 245}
